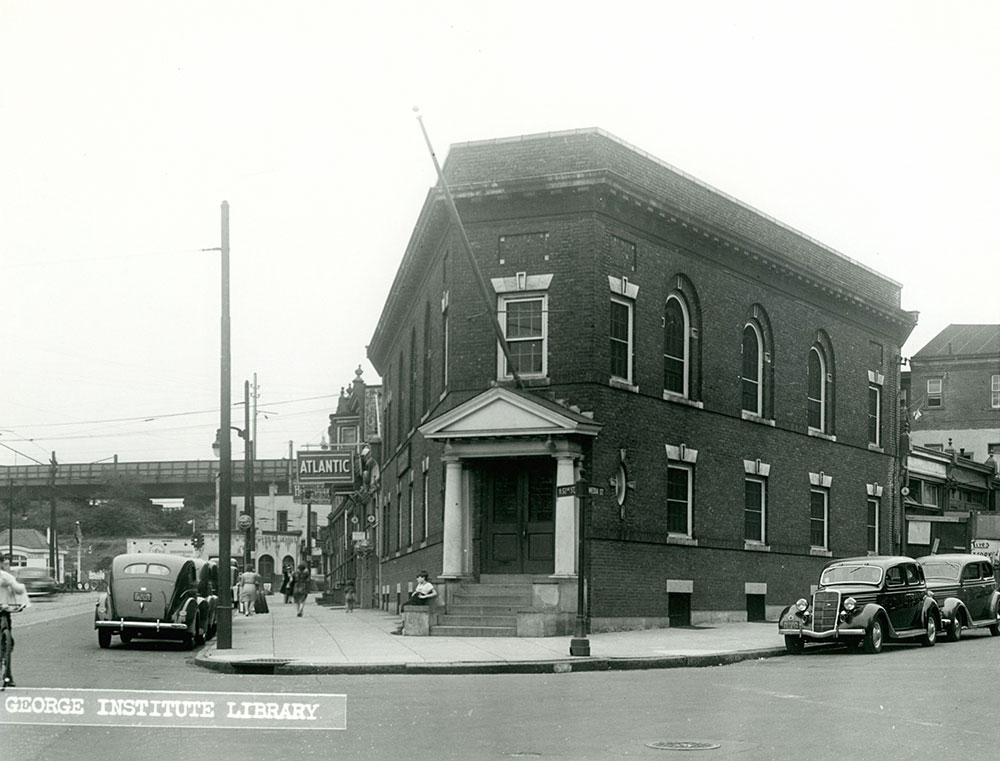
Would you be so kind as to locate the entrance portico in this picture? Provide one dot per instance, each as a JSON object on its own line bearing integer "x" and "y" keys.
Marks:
{"x": 505, "y": 452}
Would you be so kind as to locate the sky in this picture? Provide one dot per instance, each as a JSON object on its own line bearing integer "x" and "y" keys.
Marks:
{"x": 869, "y": 126}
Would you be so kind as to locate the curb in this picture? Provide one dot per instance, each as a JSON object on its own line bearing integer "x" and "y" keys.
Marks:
{"x": 286, "y": 667}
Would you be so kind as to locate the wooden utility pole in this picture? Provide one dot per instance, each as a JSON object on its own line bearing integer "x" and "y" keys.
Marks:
{"x": 53, "y": 555}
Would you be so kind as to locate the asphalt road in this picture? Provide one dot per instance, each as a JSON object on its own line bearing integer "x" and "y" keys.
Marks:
{"x": 909, "y": 701}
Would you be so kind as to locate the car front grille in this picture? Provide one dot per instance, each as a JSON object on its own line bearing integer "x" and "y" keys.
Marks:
{"x": 826, "y": 609}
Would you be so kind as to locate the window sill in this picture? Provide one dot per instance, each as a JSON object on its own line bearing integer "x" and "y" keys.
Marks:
{"x": 820, "y": 552}
{"x": 756, "y": 546}
{"x": 753, "y": 417}
{"x": 875, "y": 448}
{"x": 623, "y": 384}
{"x": 815, "y": 432}
{"x": 687, "y": 541}
{"x": 669, "y": 396}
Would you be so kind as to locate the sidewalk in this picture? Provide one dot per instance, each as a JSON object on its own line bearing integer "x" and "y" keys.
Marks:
{"x": 328, "y": 640}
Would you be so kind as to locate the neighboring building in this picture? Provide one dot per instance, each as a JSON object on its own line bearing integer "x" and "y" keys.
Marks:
{"x": 729, "y": 383}
{"x": 954, "y": 392}
{"x": 31, "y": 549}
{"x": 950, "y": 504}
{"x": 349, "y": 538}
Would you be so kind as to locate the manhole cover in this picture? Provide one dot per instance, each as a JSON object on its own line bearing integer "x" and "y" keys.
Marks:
{"x": 683, "y": 745}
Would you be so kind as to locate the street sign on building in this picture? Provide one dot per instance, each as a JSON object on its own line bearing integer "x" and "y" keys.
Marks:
{"x": 328, "y": 466}
{"x": 310, "y": 494}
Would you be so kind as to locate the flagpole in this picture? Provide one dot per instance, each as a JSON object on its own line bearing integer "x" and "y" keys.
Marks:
{"x": 491, "y": 307}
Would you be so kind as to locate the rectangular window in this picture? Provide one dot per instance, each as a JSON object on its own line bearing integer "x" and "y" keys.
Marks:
{"x": 444, "y": 350}
{"x": 819, "y": 513}
{"x": 995, "y": 391}
{"x": 935, "y": 392}
{"x": 621, "y": 339}
{"x": 754, "y": 509}
{"x": 347, "y": 434}
{"x": 873, "y": 506}
{"x": 427, "y": 502}
{"x": 282, "y": 520}
{"x": 399, "y": 519}
{"x": 410, "y": 499}
{"x": 679, "y": 499}
{"x": 525, "y": 325}
{"x": 874, "y": 414}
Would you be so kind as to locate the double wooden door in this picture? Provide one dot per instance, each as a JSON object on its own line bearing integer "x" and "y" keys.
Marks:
{"x": 518, "y": 500}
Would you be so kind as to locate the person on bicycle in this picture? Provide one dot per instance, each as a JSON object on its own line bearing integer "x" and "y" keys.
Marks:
{"x": 13, "y": 597}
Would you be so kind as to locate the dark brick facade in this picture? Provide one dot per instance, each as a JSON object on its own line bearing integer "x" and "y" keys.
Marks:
{"x": 584, "y": 207}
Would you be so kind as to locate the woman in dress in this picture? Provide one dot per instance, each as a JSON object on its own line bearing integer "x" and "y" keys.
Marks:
{"x": 249, "y": 584}
{"x": 300, "y": 588}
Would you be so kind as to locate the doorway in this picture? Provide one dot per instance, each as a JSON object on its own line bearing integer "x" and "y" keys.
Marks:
{"x": 518, "y": 499}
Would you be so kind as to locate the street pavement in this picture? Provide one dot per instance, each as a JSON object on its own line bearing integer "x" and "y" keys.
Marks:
{"x": 329, "y": 640}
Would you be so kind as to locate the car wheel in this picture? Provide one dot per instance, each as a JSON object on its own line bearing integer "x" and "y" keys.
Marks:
{"x": 955, "y": 632}
{"x": 126, "y": 636}
{"x": 873, "y": 638}
{"x": 930, "y": 633}
{"x": 190, "y": 637}
{"x": 794, "y": 645}
{"x": 104, "y": 638}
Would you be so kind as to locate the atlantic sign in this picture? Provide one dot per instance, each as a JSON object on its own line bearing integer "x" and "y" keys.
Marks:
{"x": 330, "y": 466}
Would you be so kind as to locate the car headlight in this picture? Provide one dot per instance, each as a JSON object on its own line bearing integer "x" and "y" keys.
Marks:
{"x": 802, "y": 604}
{"x": 850, "y": 604}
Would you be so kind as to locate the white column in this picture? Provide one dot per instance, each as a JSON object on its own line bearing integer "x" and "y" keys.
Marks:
{"x": 452, "y": 565}
{"x": 565, "y": 562}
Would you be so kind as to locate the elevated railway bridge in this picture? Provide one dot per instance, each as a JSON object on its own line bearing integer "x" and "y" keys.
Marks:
{"x": 193, "y": 480}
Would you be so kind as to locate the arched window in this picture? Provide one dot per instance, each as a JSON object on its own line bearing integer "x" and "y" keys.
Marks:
{"x": 753, "y": 369}
{"x": 817, "y": 390}
{"x": 676, "y": 347}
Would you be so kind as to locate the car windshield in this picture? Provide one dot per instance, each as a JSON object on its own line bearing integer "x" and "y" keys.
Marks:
{"x": 942, "y": 569}
{"x": 150, "y": 569}
{"x": 851, "y": 574}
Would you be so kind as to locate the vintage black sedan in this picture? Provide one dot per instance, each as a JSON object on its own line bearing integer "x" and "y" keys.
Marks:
{"x": 862, "y": 602}
{"x": 150, "y": 595}
{"x": 965, "y": 588}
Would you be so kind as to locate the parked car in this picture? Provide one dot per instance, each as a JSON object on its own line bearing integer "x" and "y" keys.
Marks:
{"x": 37, "y": 581}
{"x": 150, "y": 595}
{"x": 207, "y": 573}
{"x": 965, "y": 587}
{"x": 862, "y": 602}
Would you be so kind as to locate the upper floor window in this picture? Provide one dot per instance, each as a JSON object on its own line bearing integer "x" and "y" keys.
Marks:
{"x": 995, "y": 391}
{"x": 755, "y": 509}
{"x": 524, "y": 319}
{"x": 935, "y": 392}
{"x": 425, "y": 398}
{"x": 817, "y": 390}
{"x": 676, "y": 347}
{"x": 872, "y": 525}
{"x": 679, "y": 503}
{"x": 621, "y": 334}
{"x": 753, "y": 370}
{"x": 874, "y": 414}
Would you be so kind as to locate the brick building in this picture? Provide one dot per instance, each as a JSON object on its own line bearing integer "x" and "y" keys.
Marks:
{"x": 954, "y": 392}
{"x": 729, "y": 383}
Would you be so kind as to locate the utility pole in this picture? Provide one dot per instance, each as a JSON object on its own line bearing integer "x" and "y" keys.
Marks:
{"x": 53, "y": 555}
{"x": 224, "y": 637}
{"x": 249, "y": 541}
{"x": 10, "y": 533}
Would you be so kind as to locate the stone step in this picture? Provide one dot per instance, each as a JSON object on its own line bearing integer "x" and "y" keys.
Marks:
{"x": 472, "y": 609}
{"x": 473, "y": 631}
{"x": 477, "y": 620}
{"x": 511, "y": 578}
{"x": 460, "y": 598}
{"x": 494, "y": 589}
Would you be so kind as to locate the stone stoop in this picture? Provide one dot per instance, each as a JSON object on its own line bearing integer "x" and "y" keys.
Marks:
{"x": 497, "y": 606}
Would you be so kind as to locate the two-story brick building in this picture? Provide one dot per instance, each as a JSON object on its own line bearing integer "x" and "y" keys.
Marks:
{"x": 728, "y": 382}
{"x": 954, "y": 392}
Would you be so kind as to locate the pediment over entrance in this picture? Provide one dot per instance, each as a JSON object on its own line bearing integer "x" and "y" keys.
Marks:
{"x": 502, "y": 412}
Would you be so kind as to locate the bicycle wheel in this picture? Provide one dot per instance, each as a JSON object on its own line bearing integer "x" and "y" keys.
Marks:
{"x": 5, "y": 649}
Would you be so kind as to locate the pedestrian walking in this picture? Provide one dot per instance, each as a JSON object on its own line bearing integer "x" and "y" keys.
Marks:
{"x": 286, "y": 583}
{"x": 249, "y": 584}
{"x": 349, "y": 597}
{"x": 300, "y": 587}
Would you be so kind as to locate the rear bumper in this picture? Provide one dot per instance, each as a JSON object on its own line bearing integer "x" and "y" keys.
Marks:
{"x": 156, "y": 626}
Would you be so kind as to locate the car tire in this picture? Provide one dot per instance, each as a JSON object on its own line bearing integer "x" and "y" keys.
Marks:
{"x": 794, "y": 645}
{"x": 955, "y": 630}
{"x": 995, "y": 628}
{"x": 930, "y": 632}
{"x": 126, "y": 636}
{"x": 104, "y": 638}
{"x": 872, "y": 642}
